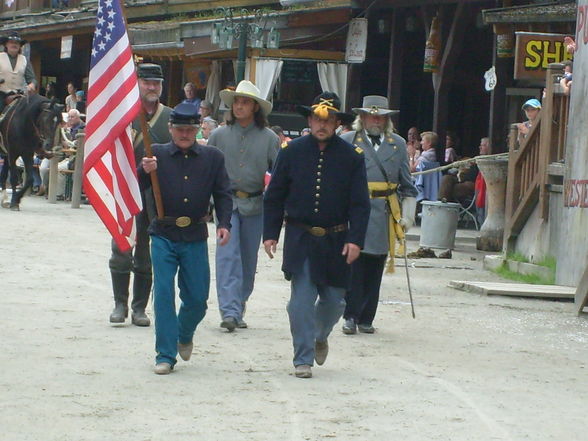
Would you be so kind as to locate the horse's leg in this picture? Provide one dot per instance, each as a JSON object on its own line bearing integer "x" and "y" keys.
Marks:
{"x": 3, "y": 179}
{"x": 13, "y": 183}
{"x": 27, "y": 183}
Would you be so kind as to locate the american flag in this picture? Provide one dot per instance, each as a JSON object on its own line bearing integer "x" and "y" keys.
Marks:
{"x": 110, "y": 179}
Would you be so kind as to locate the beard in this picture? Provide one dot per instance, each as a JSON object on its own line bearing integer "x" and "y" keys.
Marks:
{"x": 374, "y": 131}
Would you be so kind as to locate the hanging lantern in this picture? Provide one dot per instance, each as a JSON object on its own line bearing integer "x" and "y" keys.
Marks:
{"x": 504, "y": 41}
{"x": 433, "y": 48}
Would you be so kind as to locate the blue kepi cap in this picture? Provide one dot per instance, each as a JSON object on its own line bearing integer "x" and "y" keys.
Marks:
{"x": 184, "y": 114}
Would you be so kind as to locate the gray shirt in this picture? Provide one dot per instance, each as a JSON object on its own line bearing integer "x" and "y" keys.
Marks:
{"x": 249, "y": 153}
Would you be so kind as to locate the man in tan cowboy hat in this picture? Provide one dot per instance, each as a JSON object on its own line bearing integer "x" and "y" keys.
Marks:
{"x": 392, "y": 212}
{"x": 250, "y": 149}
{"x": 319, "y": 188}
{"x": 16, "y": 72}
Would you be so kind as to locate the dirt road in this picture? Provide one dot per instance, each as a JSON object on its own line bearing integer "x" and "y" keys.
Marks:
{"x": 468, "y": 368}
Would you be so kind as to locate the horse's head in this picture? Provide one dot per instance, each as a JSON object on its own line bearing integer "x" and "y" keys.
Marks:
{"x": 48, "y": 122}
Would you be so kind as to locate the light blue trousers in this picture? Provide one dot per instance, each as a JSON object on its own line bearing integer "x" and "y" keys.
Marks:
{"x": 310, "y": 319}
{"x": 191, "y": 258}
{"x": 236, "y": 263}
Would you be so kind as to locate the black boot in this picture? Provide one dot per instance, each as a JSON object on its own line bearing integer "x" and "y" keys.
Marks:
{"x": 141, "y": 290}
{"x": 120, "y": 288}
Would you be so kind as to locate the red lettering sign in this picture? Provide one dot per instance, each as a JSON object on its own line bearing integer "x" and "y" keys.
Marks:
{"x": 576, "y": 193}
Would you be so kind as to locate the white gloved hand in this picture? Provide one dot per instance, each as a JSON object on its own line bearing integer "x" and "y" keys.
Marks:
{"x": 408, "y": 213}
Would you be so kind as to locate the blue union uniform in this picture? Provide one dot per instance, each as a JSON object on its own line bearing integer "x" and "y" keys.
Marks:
{"x": 187, "y": 180}
{"x": 323, "y": 197}
{"x": 321, "y": 189}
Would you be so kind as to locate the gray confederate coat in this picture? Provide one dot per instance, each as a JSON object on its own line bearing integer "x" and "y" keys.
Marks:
{"x": 394, "y": 158}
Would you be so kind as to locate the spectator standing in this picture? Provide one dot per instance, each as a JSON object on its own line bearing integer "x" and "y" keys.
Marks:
{"x": 191, "y": 98}
{"x": 413, "y": 147}
{"x": 531, "y": 108}
{"x": 284, "y": 140}
{"x": 250, "y": 149}
{"x": 71, "y": 99}
{"x": 208, "y": 125}
{"x": 451, "y": 146}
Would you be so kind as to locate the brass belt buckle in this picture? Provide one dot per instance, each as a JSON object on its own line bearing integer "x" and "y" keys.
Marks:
{"x": 318, "y": 231}
{"x": 241, "y": 194}
{"x": 183, "y": 221}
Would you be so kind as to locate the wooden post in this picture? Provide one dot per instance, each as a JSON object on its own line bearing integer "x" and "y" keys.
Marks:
{"x": 581, "y": 296}
{"x": 545, "y": 141}
{"x": 52, "y": 190}
{"x": 441, "y": 80}
{"x": 498, "y": 114}
{"x": 395, "y": 62}
{"x": 512, "y": 181}
{"x": 76, "y": 192}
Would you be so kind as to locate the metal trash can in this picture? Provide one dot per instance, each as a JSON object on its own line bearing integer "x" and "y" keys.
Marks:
{"x": 439, "y": 224}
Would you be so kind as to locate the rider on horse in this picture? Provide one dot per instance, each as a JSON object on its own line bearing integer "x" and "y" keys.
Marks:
{"x": 16, "y": 73}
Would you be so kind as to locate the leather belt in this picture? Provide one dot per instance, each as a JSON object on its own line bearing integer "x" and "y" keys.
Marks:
{"x": 182, "y": 221}
{"x": 244, "y": 195}
{"x": 318, "y": 231}
{"x": 382, "y": 193}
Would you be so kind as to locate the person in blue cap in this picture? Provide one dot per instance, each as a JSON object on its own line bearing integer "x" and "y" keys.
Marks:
{"x": 531, "y": 108}
{"x": 189, "y": 175}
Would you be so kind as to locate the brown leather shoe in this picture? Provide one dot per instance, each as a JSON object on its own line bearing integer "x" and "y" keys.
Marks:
{"x": 185, "y": 350}
{"x": 303, "y": 371}
{"x": 321, "y": 350}
{"x": 139, "y": 318}
{"x": 163, "y": 368}
{"x": 229, "y": 324}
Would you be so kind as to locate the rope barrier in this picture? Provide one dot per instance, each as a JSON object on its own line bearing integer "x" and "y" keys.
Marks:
{"x": 456, "y": 164}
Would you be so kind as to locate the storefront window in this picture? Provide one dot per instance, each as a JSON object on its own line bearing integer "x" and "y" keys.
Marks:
{"x": 298, "y": 84}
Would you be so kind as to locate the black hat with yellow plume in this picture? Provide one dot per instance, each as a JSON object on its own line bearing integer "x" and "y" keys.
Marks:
{"x": 327, "y": 103}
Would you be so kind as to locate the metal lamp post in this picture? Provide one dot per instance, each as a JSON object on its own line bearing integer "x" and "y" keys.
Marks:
{"x": 247, "y": 27}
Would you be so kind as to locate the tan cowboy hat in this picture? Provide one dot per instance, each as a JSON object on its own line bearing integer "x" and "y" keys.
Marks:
{"x": 248, "y": 90}
{"x": 375, "y": 105}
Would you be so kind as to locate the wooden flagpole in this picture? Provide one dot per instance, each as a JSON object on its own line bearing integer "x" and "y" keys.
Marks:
{"x": 149, "y": 154}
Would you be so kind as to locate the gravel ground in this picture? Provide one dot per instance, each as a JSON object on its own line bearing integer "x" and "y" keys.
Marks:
{"x": 469, "y": 367}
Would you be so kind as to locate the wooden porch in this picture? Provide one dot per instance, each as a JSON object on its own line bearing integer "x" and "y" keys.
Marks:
{"x": 536, "y": 165}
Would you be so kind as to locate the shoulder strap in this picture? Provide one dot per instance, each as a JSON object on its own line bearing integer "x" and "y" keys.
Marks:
{"x": 139, "y": 135}
{"x": 376, "y": 159}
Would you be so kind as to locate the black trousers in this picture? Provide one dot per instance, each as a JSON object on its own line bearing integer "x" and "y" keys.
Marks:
{"x": 366, "y": 278}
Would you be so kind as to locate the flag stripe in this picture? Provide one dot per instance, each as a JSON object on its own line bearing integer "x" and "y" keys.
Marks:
{"x": 110, "y": 179}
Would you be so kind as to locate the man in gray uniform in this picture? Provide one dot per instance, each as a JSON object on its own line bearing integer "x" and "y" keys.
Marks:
{"x": 138, "y": 260}
{"x": 389, "y": 182}
{"x": 250, "y": 149}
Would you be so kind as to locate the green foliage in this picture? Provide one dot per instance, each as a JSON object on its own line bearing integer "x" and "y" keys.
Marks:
{"x": 517, "y": 257}
{"x": 534, "y": 279}
{"x": 545, "y": 278}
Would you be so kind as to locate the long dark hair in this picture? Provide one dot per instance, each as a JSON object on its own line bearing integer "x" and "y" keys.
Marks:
{"x": 258, "y": 118}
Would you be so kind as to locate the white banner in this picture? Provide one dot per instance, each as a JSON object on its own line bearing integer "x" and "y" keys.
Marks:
{"x": 66, "y": 45}
{"x": 356, "y": 40}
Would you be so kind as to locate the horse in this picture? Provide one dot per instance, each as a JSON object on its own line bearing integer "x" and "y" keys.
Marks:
{"x": 29, "y": 126}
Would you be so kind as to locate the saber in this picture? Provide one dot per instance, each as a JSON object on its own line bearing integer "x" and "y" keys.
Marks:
{"x": 408, "y": 280}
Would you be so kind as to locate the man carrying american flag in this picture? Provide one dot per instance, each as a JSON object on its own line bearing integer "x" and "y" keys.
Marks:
{"x": 112, "y": 150}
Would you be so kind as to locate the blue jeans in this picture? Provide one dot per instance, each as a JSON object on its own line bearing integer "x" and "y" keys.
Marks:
{"x": 310, "y": 319}
{"x": 194, "y": 282}
{"x": 236, "y": 263}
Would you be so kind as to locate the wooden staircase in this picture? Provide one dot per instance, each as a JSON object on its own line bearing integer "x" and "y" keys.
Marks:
{"x": 528, "y": 163}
